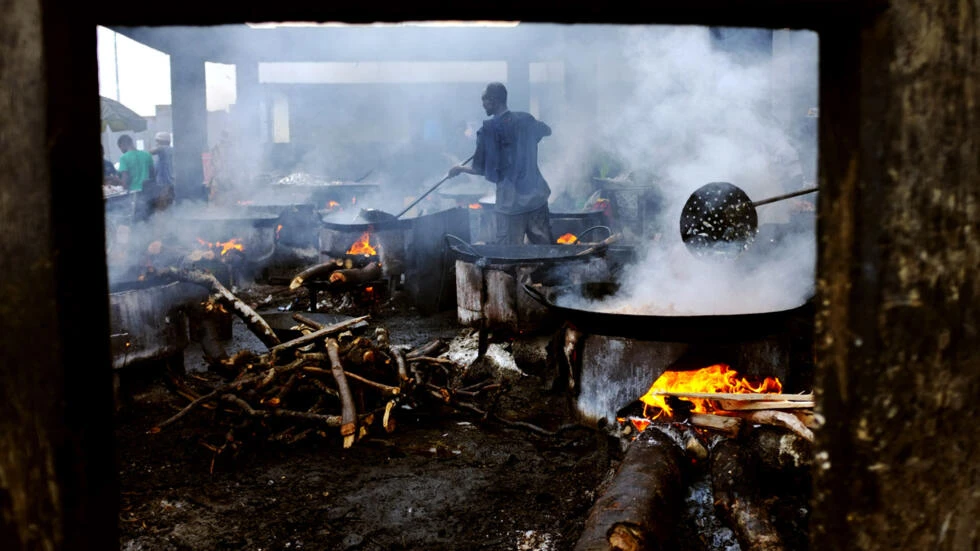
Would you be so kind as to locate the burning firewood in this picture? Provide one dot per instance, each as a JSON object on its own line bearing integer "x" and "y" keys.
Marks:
{"x": 639, "y": 508}
{"x": 729, "y": 426}
{"x": 352, "y": 276}
{"x": 779, "y": 419}
{"x": 736, "y": 501}
{"x": 317, "y": 271}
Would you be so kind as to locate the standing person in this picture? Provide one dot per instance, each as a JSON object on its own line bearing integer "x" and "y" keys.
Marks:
{"x": 163, "y": 164}
{"x": 135, "y": 169}
{"x": 109, "y": 175}
{"x": 507, "y": 155}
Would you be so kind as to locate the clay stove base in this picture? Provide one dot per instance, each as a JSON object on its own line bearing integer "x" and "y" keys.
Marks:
{"x": 613, "y": 372}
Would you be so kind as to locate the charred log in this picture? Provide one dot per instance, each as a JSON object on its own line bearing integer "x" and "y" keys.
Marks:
{"x": 354, "y": 276}
{"x": 638, "y": 510}
{"x": 779, "y": 450}
{"x": 315, "y": 272}
{"x": 737, "y": 500}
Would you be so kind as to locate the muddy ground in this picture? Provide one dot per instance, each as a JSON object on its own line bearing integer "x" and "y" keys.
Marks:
{"x": 442, "y": 480}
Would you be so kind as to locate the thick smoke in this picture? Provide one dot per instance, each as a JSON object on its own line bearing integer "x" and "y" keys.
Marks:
{"x": 678, "y": 112}
{"x": 673, "y": 108}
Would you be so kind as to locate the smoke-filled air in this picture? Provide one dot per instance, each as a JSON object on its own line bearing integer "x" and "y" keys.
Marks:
{"x": 392, "y": 109}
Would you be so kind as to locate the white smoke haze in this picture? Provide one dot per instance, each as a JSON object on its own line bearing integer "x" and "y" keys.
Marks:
{"x": 690, "y": 115}
{"x": 666, "y": 105}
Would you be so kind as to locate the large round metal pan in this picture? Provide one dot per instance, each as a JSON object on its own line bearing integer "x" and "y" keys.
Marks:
{"x": 229, "y": 216}
{"x": 397, "y": 224}
{"x": 522, "y": 254}
{"x": 648, "y": 327}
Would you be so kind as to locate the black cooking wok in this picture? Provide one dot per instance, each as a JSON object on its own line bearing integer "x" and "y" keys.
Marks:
{"x": 530, "y": 253}
{"x": 706, "y": 328}
{"x": 380, "y": 225}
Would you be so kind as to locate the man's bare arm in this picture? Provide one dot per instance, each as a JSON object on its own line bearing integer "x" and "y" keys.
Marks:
{"x": 456, "y": 170}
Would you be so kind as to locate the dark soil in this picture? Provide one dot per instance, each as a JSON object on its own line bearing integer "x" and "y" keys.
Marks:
{"x": 442, "y": 480}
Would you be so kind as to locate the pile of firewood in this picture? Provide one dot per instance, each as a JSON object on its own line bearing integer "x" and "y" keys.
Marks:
{"x": 328, "y": 382}
{"x": 749, "y": 439}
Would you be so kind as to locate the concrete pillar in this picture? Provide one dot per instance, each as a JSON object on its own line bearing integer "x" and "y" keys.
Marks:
{"x": 247, "y": 116}
{"x": 518, "y": 84}
{"x": 190, "y": 122}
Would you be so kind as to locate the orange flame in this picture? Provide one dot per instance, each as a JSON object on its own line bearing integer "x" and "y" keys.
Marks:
{"x": 475, "y": 206}
{"x": 223, "y": 246}
{"x": 567, "y": 239}
{"x": 332, "y": 204}
{"x": 363, "y": 246}
{"x": 278, "y": 229}
{"x": 718, "y": 378}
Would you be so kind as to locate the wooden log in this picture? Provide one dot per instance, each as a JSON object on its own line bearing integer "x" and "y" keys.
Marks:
{"x": 638, "y": 510}
{"x": 431, "y": 348}
{"x": 778, "y": 450}
{"x": 319, "y": 333}
{"x": 400, "y": 362}
{"x": 739, "y": 405}
{"x": 307, "y": 321}
{"x": 777, "y": 418}
{"x": 255, "y": 323}
{"x": 385, "y": 390}
{"x": 314, "y": 272}
{"x": 727, "y": 425}
{"x": 352, "y": 276}
{"x": 734, "y": 484}
{"x": 742, "y": 397}
{"x": 348, "y": 428}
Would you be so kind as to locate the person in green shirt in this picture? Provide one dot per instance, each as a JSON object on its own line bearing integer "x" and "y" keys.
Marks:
{"x": 135, "y": 169}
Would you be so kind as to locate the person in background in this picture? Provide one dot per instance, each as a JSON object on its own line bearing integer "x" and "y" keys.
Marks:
{"x": 135, "y": 169}
{"x": 110, "y": 177}
{"x": 163, "y": 164}
{"x": 507, "y": 155}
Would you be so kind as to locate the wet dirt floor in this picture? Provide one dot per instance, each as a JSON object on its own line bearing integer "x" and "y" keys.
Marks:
{"x": 443, "y": 480}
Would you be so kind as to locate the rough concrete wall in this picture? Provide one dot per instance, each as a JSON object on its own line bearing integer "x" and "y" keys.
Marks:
{"x": 898, "y": 356}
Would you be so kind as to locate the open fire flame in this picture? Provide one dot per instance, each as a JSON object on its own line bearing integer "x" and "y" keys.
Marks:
{"x": 332, "y": 204}
{"x": 718, "y": 378}
{"x": 223, "y": 246}
{"x": 363, "y": 246}
{"x": 567, "y": 239}
{"x": 476, "y": 206}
